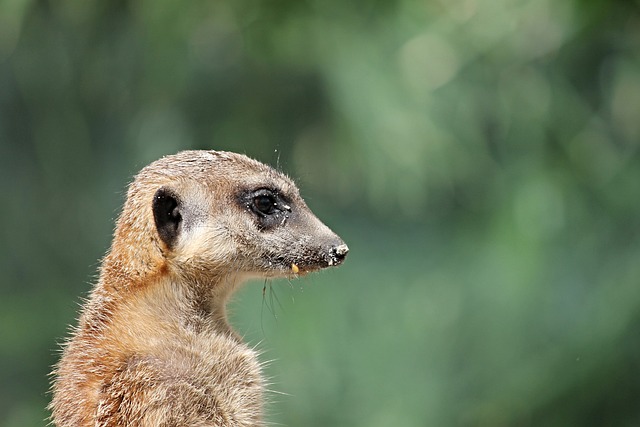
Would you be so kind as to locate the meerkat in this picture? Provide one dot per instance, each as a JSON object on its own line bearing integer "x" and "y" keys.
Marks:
{"x": 153, "y": 346}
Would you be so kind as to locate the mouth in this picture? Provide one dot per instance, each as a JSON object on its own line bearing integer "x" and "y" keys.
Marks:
{"x": 309, "y": 262}
{"x": 300, "y": 270}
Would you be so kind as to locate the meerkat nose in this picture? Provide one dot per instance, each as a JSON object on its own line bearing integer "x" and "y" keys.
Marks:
{"x": 339, "y": 253}
{"x": 341, "y": 250}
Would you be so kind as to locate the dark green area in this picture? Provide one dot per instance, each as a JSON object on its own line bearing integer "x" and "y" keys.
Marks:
{"x": 481, "y": 159}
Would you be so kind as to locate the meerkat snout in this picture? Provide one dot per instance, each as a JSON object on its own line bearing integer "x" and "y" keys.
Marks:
{"x": 153, "y": 345}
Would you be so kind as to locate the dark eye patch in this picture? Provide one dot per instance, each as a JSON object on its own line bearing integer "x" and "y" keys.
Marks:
{"x": 269, "y": 206}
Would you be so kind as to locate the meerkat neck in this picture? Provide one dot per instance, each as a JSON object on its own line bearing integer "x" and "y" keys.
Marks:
{"x": 200, "y": 309}
{"x": 162, "y": 298}
{"x": 210, "y": 300}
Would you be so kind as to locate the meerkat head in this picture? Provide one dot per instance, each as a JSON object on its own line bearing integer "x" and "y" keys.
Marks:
{"x": 211, "y": 212}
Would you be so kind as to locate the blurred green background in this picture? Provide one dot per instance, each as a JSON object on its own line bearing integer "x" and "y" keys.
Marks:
{"x": 481, "y": 159}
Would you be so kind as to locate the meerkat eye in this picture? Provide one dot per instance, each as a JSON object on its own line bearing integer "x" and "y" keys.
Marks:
{"x": 265, "y": 204}
{"x": 271, "y": 208}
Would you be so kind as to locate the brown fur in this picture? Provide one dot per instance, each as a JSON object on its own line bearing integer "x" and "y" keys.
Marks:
{"x": 153, "y": 346}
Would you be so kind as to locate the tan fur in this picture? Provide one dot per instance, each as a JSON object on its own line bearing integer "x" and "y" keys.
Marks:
{"x": 153, "y": 346}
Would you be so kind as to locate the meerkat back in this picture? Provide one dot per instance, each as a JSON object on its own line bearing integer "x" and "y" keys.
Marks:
{"x": 153, "y": 346}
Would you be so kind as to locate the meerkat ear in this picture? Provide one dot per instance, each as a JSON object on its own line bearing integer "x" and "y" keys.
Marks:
{"x": 166, "y": 213}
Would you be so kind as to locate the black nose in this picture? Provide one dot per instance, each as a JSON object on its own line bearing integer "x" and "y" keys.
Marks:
{"x": 338, "y": 254}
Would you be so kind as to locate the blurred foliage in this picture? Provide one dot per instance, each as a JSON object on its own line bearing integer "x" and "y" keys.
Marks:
{"x": 481, "y": 158}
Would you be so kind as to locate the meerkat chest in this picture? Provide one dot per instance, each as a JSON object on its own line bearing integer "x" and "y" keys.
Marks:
{"x": 214, "y": 359}
{"x": 203, "y": 377}
{"x": 201, "y": 361}
{"x": 222, "y": 359}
